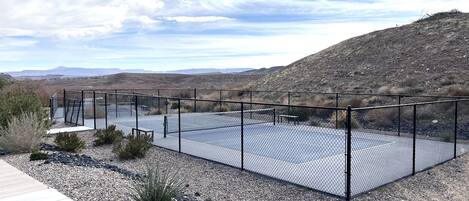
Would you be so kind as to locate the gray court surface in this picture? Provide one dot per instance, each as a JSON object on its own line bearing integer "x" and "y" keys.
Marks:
{"x": 306, "y": 155}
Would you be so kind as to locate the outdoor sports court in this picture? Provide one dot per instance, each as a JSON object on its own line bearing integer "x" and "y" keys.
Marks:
{"x": 310, "y": 156}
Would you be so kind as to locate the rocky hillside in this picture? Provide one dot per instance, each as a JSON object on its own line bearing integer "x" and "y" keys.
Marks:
{"x": 430, "y": 55}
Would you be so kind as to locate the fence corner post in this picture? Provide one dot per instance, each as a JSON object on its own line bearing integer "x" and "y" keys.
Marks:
{"x": 179, "y": 125}
{"x": 414, "y": 136}
{"x": 242, "y": 136}
{"x": 348, "y": 164}
{"x": 455, "y": 128}
{"x": 94, "y": 109}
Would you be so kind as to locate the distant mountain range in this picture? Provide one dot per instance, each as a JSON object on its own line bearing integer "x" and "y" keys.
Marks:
{"x": 60, "y": 72}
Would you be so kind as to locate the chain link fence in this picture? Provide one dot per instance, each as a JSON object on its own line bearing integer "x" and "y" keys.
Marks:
{"x": 337, "y": 149}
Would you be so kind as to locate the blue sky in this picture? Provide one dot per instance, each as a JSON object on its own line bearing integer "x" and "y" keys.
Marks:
{"x": 178, "y": 34}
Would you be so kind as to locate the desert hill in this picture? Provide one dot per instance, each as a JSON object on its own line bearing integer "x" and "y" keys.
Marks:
{"x": 430, "y": 55}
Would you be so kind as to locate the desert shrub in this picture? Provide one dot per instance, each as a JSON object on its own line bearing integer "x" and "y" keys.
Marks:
{"x": 187, "y": 107}
{"x": 69, "y": 142}
{"x": 108, "y": 135}
{"x": 157, "y": 185}
{"x": 382, "y": 117}
{"x": 100, "y": 113}
{"x": 221, "y": 108}
{"x": 342, "y": 120}
{"x": 204, "y": 106}
{"x": 302, "y": 113}
{"x": 23, "y": 133}
{"x": 447, "y": 137}
{"x": 136, "y": 146}
{"x": 38, "y": 155}
{"x": 184, "y": 95}
{"x": 457, "y": 91}
{"x": 174, "y": 105}
{"x": 15, "y": 100}
{"x": 354, "y": 102}
{"x": 154, "y": 111}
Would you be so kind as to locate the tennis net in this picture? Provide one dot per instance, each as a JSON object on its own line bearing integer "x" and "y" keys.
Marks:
{"x": 217, "y": 120}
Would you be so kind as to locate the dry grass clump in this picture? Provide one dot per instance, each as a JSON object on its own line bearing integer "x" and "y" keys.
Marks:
{"x": 457, "y": 90}
{"x": 23, "y": 133}
{"x": 382, "y": 117}
{"x": 157, "y": 185}
{"x": 342, "y": 120}
{"x": 154, "y": 111}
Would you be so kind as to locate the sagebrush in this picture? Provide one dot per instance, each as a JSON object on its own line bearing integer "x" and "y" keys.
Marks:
{"x": 157, "y": 185}
{"x": 23, "y": 133}
{"x": 69, "y": 142}
{"x": 136, "y": 146}
{"x": 108, "y": 135}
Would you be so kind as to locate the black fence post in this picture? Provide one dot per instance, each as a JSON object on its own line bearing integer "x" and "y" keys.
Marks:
{"x": 82, "y": 108}
{"x": 195, "y": 100}
{"x": 51, "y": 109}
{"x": 136, "y": 112}
{"x": 117, "y": 109}
{"x": 94, "y": 109}
{"x": 179, "y": 125}
{"x": 220, "y": 96}
{"x": 455, "y": 128}
{"x": 65, "y": 106}
{"x": 105, "y": 110}
{"x": 414, "y": 133}
{"x": 158, "y": 100}
{"x": 348, "y": 154}
{"x": 250, "y": 102}
{"x": 336, "y": 111}
{"x": 242, "y": 136}
{"x": 399, "y": 116}
{"x": 289, "y": 101}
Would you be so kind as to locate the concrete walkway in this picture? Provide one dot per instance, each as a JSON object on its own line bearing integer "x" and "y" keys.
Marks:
{"x": 18, "y": 186}
{"x": 68, "y": 130}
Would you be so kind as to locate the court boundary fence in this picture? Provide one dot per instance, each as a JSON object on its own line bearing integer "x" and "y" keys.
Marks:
{"x": 74, "y": 112}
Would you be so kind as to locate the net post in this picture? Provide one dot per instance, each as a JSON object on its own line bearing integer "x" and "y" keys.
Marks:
{"x": 399, "y": 116}
{"x": 105, "y": 110}
{"x": 136, "y": 112}
{"x": 414, "y": 135}
{"x": 455, "y": 128}
{"x": 158, "y": 100}
{"x": 348, "y": 154}
{"x": 179, "y": 125}
{"x": 94, "y": 109}
{"x": 242, "y": 136}
{"x": 82, "y": 107}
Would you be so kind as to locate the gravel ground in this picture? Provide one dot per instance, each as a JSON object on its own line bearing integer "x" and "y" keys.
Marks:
{"x": 211, "y": 181}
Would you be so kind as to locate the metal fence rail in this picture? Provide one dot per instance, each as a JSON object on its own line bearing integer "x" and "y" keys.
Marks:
{"x": 342, "y": 151}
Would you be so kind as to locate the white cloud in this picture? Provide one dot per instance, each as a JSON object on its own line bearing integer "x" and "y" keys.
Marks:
{"x": 71, "y": 18}
{"x": 183, "y": 19}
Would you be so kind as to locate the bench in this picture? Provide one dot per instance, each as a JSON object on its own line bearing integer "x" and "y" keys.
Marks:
{"x": 146, "y": 131}
{"x": 288, "y": 117}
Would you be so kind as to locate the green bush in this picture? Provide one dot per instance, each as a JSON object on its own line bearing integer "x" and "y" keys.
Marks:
{"x": 108, "y": 135}
{"x": 23, "y": 133}
{"x": 136, "y": 146}
{"x": 157, "y": 185}
{"x": 15, "y": 100}
{"x": 38, "y": 155}
{"x": 69, "y": 142}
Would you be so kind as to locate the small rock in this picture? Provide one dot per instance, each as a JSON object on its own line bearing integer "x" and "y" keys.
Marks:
{"x": 197, "y": 194}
